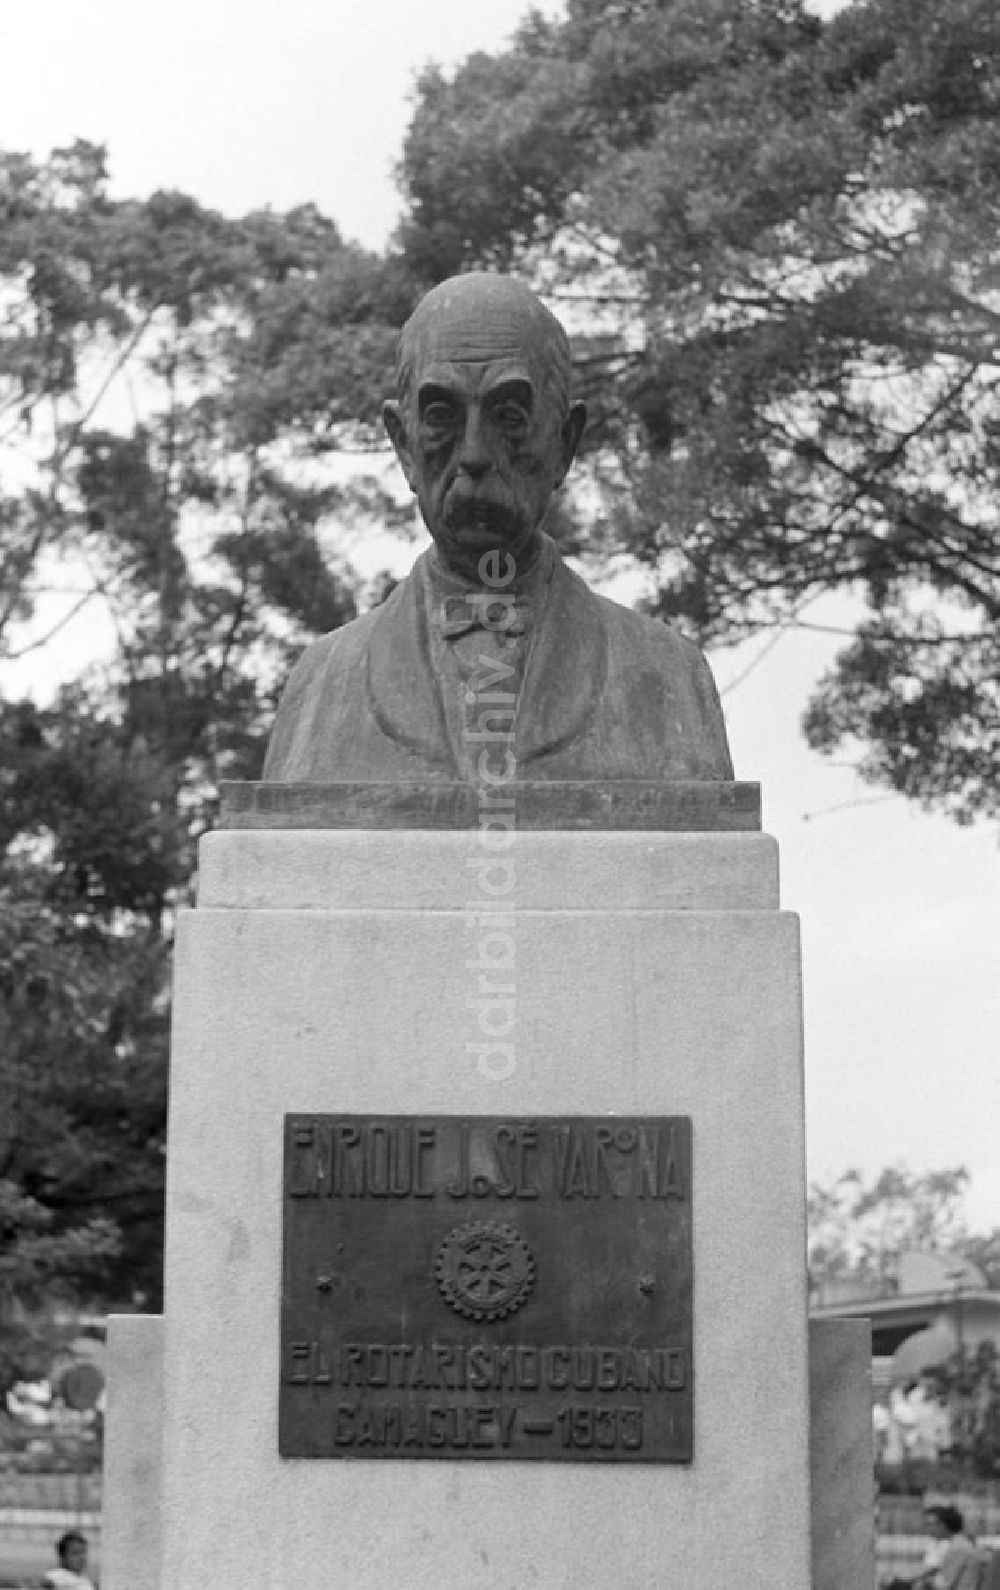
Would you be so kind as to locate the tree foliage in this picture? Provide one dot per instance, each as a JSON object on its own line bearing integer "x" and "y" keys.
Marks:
{"x": 81, "y": 1118}
{"x": 777, "y": 241}
{"x": 859, "y": 1229}
{"x": 173, "y": 385}
{"x": 169, "y": 381}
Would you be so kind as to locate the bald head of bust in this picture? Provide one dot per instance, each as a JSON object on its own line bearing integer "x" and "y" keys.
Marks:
{"x": 484, "y": 316}
{"x": 483, "y": 425}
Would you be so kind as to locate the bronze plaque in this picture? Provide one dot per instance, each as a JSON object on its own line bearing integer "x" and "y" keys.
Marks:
{"x": 487, "y": 1287}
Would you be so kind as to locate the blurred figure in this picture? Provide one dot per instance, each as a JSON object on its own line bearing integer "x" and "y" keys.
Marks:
{"x": 930, "y": 1431}
{"x": 881, "y": 1431}
{"x": 960, "y": 1563}
{"x": 952, "y": 1561}
{"x": 935, "y": 1551}
{"x": 71, "y": 1549}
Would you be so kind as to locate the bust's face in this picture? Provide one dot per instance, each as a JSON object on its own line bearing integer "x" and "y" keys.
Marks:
{"x": 482, "y": 442}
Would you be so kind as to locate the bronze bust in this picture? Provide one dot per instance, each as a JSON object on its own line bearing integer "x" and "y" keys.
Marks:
{"x": 492, "y": 659}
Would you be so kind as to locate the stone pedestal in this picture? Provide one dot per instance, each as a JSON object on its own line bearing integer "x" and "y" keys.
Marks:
{"x": 340, "y": 971}
{"x": 131, "y": 1548}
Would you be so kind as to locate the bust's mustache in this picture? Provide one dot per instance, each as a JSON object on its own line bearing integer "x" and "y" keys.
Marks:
{"x": 488, "y": 505}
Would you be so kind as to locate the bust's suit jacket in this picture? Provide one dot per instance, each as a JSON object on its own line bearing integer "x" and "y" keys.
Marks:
{"x": 607, "y": 694}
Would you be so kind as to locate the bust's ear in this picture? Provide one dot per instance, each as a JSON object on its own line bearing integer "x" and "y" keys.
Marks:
{"x": 571, "y": 432}
{"x": 392, "y": 419}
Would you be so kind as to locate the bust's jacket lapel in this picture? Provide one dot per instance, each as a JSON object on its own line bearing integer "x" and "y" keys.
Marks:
{"x": 567, "y": 669}
{"x": 404, "y": 696}
{"x": 565, "y": 677}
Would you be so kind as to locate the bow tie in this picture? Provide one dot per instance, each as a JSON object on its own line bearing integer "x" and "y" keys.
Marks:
{"x": 462, "y": 614}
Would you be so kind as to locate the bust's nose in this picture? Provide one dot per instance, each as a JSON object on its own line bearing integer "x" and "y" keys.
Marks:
{"x": 474, "y": 458}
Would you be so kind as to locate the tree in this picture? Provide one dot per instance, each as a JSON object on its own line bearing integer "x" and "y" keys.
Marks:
{"x": 167, "y": 379}
{"x": 970, "y": 1384}
{"x": 173, "y": 385}
{"x": 776, "y": 239}
{"x": 859, "y": 1229}
{"x": 65, "y": 1119}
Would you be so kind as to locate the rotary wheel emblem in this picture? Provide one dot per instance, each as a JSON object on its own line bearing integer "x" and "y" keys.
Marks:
{"x": 484, "y": 1270}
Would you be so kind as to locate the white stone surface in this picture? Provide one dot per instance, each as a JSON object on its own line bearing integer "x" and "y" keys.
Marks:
{"x": 841, "y": 1454}
{"x": 344, "y": 870}
{"x": 621, "y": 1006}
{"x": 133, "y": 1477}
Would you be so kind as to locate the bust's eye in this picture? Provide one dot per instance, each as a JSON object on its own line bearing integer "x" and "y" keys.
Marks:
{"x": 512, "y": 418}
{"x": 438, "y": 416}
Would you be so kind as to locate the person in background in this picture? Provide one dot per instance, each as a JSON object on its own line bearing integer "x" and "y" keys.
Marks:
{"x": 71, "y": 1549}
{"x": 960, "y": 1563}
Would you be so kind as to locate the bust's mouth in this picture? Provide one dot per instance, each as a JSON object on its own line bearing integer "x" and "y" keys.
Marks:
{"x": 480, "y": 513}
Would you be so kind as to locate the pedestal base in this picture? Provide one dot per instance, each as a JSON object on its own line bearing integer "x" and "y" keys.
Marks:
{"x": 339, "y": 971}
{"x": 840, "y": 1452}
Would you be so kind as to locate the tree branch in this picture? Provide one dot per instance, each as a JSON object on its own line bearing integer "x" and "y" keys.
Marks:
{"x": 43, "y": 640}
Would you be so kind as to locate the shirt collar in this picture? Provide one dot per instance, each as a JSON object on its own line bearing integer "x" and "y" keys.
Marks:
{"x": 459, "y": 605}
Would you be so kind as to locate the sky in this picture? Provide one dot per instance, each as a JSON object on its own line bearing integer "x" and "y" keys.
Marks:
{"x": 253, "y": 104}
